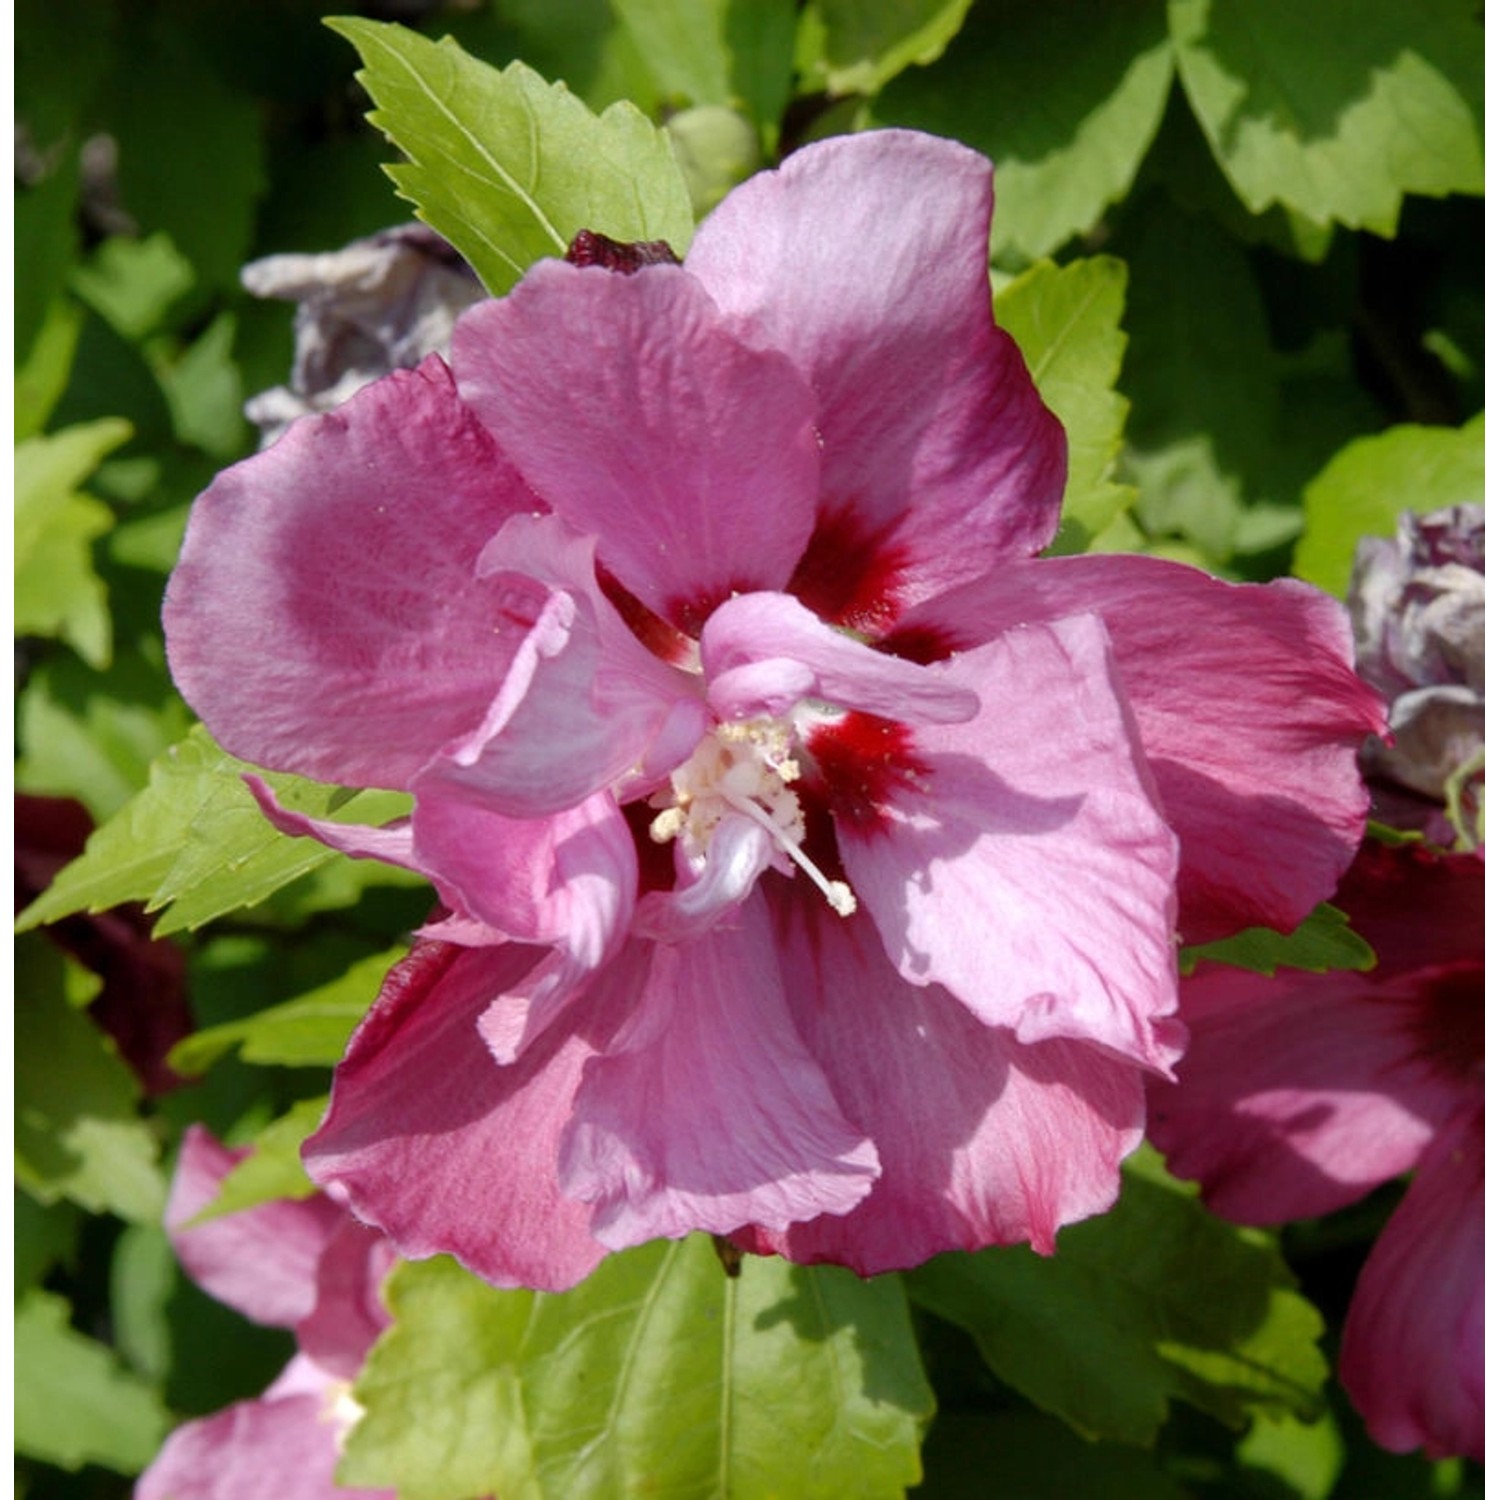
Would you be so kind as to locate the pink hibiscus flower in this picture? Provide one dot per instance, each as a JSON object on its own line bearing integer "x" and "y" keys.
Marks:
{"x": 812, "y": 852}
{"x": 1302, "y": 1092}
{"x": 302, "y": 1265}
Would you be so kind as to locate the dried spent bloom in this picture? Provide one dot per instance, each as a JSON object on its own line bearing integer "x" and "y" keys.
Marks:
{"x": 1417, "y": 604}
{"x": 1302, "y": 1092}
{"x": 301, "y": 1265}
{"x": 814, "y": 855}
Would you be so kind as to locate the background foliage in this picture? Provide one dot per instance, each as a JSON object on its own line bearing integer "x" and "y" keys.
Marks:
{"x": 1239, "y": 242}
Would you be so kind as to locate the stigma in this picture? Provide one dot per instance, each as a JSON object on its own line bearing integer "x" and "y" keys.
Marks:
{"x": 746, "y": 767}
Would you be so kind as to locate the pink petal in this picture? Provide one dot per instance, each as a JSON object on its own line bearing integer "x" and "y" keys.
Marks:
{"x": 349, "y": 1315}
{"x": 866, "y": 259}
{"x": 983, "y": 1141}
{"x": 638, "y": 417}
{"x": 325, "y": 616}
{"x": 286, "y": 1449}
{"x": 1024, "y": 865}
{"x": 754, "y": 645}
{"x": 583, "y": 706}
{"x": 708, "y": 1112}
{"x": 431, "y": 1140}
{"x": 1413, "y": 1355}
{"x": 261, "y": 1261}
{"x": 1248, "y": 707}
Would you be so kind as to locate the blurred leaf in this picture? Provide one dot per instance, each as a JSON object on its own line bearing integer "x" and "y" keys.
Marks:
{"x": 1083, "y": 90}
{"x": 1156, "y": 1300}
{"x": 1324, "y": 941}
{"x": 58, "y": 593}
{"x": 863, "y": 44}
{"x": 142, "y": 1273}
{"x": 78, "y": 1135}
{"x": 509, "y": 168}
{"x": 1367, "y": 485}
{"x": 274, "y": 1169}
{"x": 194, "y": 841}
{"x": 716, "y": 149}
{"x": 131, "y": 283}
{"x": 203, "y": 390}
{"x": 1305, "y": 1457}
{"x": 1337, "y": 109}
{"x": 111, "y": 378}
{"x": 44, "y": 245}
{"x": 63, "y": 52}
{"x": 312, "y": 1029}
{"x": 46, "y": 1235}
{"x": 76, "y": 1403}
{"x": 1067, "y": 323}
{"x": 42, "y": 379}
{"x": 658, "y": 1374}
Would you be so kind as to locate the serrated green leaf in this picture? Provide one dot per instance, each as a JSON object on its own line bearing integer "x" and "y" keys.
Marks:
{"x": 1156, "y": 1300}
{"x": 1067, "y": 323}
{"x": 658, "y": 1375}
{"x": 195, "y": 843}
{"x": 1082, "y": 101}
{"x": 274, "y": 1168}
{"x": 1338, "y": 109}
{"x": 863, "y": 44}
{"x": 1367, "y": 484}
{"x": 76, "y": 1403}
{"x": 313, "y": 1029}
{"x": 77, "y": 1133}
{"x": 1324, "y": 941}
{"x": 507, "y": 167}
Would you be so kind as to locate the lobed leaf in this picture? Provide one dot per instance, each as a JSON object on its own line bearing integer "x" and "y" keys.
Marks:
{"x": 507, "y": 167}
{"x": 657, "y": 1375}
{"x": 1324, "y": 941}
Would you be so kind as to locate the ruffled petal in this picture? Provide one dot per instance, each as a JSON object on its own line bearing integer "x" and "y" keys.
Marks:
{"x": 286, "y": 1449}
{"x": 1248, "y": 707}
{"x": 430, "y": 1139}
{"x": 866, "y": 259}
{"x": 764, "y": 652}
{"x": 392, "y": 844}
{"x": 349, "y": 1315}
{"x": 1413, "y": 1355}
{"x": 262, "y": 1261}
{"x": 708, "y": 1112}
{"x": 325, "y": 616}
{"x": 1022, "y": 863}
{"x": 583, "y": 706}
{"x": 983, "y": 1141}
{"x": 639, "y": 418}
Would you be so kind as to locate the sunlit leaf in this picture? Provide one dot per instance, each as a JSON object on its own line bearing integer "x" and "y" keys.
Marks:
{"x": 274, "y": 1168}
{"x": 862, "y": 44}
{"x": 1324, "y": 941}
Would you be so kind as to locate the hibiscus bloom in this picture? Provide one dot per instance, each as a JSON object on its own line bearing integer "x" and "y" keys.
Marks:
{"x": 301, "y": 1265}
{"x": 812, "y": 852}
{"x": 1302, "y": 1092}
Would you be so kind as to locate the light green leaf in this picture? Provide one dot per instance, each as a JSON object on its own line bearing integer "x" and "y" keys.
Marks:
{"x": 1157, "y": 1300}
{"x": 1067, "y": 322}
{"x": 510, "y": 168}
{"x": 57, "y": 591}
{"x": 716, "y": 148}
{"x": 1324, "y": 941}
{"x": 195, "y": 842}
{"x": 76, "y": 1403}
{"x": 1082, "y": 101}
{"x": 863, "y": 44}
{"x": 142, "y": 1275}
{"x": 311, "y": 1030}
{"x": 43, "y": 378}
{"x": 204, "y": 392}
{"x": 274, "y": 1168}
{"x": 78, "y": 1135}
{"x": 1337, "y": 109}
{"x": 1367, "y": 485}
{"x": 1305, "y": 1457}
{"x": 683, "y": 44}
{"x": 659, "y": 1375}
{"x": 133, "y": 283}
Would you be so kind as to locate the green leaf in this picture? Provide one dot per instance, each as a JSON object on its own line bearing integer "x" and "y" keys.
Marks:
{"x": 76, "y": 1403}
{"x": 58, "y": 593}
{"x": 1155, "y": 1301}
{"x": 1367, "y": 485}
{"x": 195, "y": 842}
{"x": 78, "y": 1135}
{"x": 507, "y": 167}
{"x": 42, "y": 379}
{"x": 274, "y": 1168}
{"x": 1337, "y": 109}
{"x": 45, "y": 1235}
{"x": 1082, "y": 102}
{"x": 1067, "y": 323}
{"x": 133, "y": 283}
{"x": 658, "y": 1375}
{"x": 863, "y": 44}
{"x": 204, "y": 392}
{"x": 1324, "y": 941}
{"x": 311, "y": 1030}
{"x": 1304, "y": 1457}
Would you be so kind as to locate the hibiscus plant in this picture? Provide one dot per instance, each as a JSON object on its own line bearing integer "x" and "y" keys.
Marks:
{"x": 785, "y": 797}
